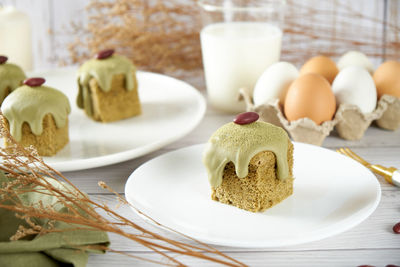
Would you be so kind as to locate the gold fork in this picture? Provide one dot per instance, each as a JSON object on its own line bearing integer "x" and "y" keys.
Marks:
{"x": 391, "y": 174}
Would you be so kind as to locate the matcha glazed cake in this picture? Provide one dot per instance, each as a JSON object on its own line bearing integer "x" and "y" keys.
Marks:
{"x": 37, "y": 115}
{"x": 11, "y": 77}
{"x": 249, "y": 164}
{"x": 108, "y": 88}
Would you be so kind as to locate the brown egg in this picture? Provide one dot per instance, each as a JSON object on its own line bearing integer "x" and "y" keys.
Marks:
{"x": 310, "y": 96}
{"x": 321, "y": 65}
{"x": 387, "y": 78}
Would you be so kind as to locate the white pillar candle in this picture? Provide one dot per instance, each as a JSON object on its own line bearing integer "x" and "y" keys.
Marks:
{"x": 16, "y": 37}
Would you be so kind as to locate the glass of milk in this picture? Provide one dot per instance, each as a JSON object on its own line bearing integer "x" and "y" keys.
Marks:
{"x": 239, "y": 40}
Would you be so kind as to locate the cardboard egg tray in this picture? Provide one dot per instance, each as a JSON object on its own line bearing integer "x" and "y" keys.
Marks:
{"x": 390, "y": 119}
{"x": 349, "y": 121}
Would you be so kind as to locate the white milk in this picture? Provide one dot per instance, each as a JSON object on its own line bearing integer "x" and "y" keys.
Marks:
{"x": 15, "y": 37}
{"x": 235, "y": 54}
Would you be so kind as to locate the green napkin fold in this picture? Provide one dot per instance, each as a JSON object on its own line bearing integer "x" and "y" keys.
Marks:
{"x": 48, "y": 250}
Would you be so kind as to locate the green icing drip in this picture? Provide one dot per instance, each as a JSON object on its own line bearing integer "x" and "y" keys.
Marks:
{"x": 239, "y": 144}
{"x": 103, "y": 71}
{"x": 31, "y": 104}
{"x": 11, "y": 76}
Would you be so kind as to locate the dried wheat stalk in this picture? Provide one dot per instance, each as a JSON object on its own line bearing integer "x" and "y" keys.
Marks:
{"x": 29, "y": 173}
{"x": 163, "y": 36}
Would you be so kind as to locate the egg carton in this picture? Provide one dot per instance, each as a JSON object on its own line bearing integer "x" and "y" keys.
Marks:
{"x": 352, "y": 123}
{"x": 349, "y": 121}
{"x": 390, "y": 119}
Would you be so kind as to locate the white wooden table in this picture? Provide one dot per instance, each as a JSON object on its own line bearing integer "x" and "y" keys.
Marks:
{"x": 372, "y": 242}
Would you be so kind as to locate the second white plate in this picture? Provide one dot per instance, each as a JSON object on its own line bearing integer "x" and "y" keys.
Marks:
{"x": 332, "y": 194}
{"x": 171, "y": 109}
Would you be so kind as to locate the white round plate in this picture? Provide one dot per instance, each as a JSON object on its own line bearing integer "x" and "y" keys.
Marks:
{"x": 170, "y": 109}
{"x": 332, "y": 194}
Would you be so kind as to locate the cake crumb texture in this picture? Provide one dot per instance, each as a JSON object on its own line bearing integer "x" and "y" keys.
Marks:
{"x": 49, "y": 142}
{"x": 116, "y": 104}
{"x": 260, "y": 189}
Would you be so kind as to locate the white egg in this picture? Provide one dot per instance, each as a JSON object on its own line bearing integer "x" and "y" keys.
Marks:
{"x": 354, "y": 85}
{"x": 274, "y": 82}
{"x": 355, "y": 58}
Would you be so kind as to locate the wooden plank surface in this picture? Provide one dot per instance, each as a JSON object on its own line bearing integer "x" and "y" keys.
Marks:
{"x": 330, "y": 258}
{"x": 371, "y": 242}
{"x": 377, "y": 228}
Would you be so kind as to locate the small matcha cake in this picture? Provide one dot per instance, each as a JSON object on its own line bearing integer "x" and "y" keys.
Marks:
{"x": 249, "y": 165}
{"x": 108, "y": 88}
{"x": 11, "y": 77}
{"x": 37, "y": 115}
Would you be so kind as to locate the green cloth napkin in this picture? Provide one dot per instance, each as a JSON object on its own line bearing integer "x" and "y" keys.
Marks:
{"x": 53, "y": 249}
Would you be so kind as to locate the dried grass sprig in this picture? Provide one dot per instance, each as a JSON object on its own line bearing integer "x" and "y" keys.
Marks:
{"x": 157, "y": 35}
{"x": 27, "y": 172}
{"x": 163, "y": 36}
